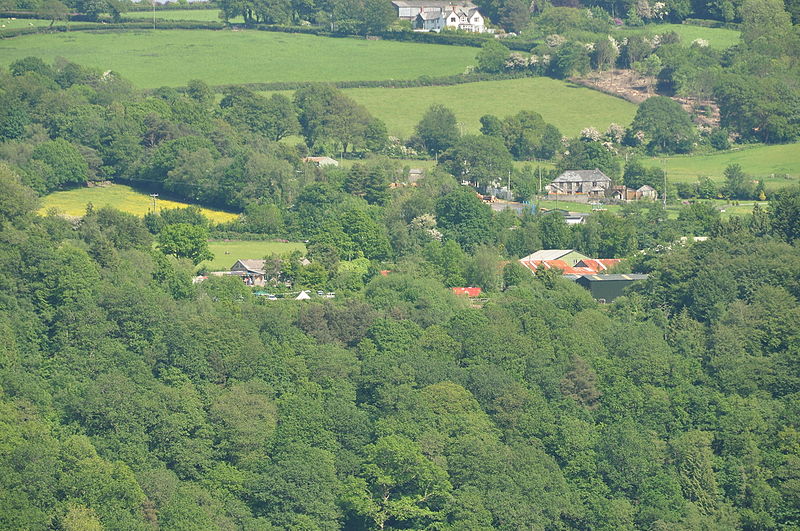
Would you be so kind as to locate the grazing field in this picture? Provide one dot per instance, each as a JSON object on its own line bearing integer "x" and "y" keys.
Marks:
{"x": 125, "y": 198}
{"x": 226, "y": 252}
{"x": 173, "y": 57}
{"x": 568, "y": 107}
{"x": 15, "y": 23}
{"x": 718, "y": 38}
{"x": 760, "y": 161}
{"x": 199, "y": 15}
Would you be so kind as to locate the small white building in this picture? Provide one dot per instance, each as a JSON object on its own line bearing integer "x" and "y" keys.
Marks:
{"x": 435, "y": 15}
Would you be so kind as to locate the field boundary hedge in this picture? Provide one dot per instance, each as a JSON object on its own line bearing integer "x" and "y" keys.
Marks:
{"x": 422, "y": 81}
{"x": 450, "y": 39}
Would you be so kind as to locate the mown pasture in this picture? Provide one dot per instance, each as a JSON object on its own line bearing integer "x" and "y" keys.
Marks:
{"x": 197, "y": 15}
{"x": 760, "y": 161}
{"x": 569, "y": 107}
{"x": 226, "y": 252}
{"x": 718, "y": 38}
{"x": 155, "y": 58}
{"x": 73, "y": 202}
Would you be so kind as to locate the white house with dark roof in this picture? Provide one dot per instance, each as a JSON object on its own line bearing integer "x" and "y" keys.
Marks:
{"x": 587, "y": 183}
{"x": 435, "y": 15}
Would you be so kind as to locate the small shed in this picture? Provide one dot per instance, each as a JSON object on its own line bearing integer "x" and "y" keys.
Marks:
{"x": 469, "y": 292}
{"x": 606, "y": 288}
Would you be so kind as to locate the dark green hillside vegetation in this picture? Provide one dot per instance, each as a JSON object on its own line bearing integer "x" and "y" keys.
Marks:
{"x": 132, "y": 399}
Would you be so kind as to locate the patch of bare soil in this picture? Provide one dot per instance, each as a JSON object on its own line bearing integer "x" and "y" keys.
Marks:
{"x": 629, "y": 85}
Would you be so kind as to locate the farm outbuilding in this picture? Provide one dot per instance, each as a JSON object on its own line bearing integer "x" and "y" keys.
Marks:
{"x": 606, "y": 288}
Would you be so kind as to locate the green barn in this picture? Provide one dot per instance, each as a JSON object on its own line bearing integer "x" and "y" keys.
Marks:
{"x": 606, "y": 288}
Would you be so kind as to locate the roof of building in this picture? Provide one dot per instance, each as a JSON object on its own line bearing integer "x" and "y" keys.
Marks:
{"x": 561, "y": 265}
{"x": 441, "y": 4}
{"x": 580, "y": 176}
{"x": 469, "y": 292}
{"x": 616, "y": 276}
{"x": 322, "y": 161}
{"x": 598, "y": 264}
{"x": 548, "y": 254}
{"x": 255, "y": 266}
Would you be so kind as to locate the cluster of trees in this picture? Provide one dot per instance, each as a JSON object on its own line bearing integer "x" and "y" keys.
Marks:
{"x": 344, "y": 16}
{"x": 63, "y": 124}
{"x": 133, "y": 399}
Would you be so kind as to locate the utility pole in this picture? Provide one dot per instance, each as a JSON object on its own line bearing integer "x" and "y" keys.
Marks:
{"x": 155, "y": 203}
{"x": 509, "y": 185}
{"x": 664, "y": 169}
{"x": 539, "y": 200}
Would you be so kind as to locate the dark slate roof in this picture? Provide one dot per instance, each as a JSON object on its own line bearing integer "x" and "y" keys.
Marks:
{"x": 581, "y": 176}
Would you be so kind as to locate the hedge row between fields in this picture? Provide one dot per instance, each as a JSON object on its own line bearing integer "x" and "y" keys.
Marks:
{"x": 451, "y": 39}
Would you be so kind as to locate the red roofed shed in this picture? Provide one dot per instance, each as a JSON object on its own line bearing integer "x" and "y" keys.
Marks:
{"x": 469, "y": 292}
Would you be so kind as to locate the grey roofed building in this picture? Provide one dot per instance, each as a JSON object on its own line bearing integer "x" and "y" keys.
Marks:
{"x": 249, "y": 266}
{"x": 554, "y": 254}
{"x": 409, "y": 9}
{"x": 593, "y": 182}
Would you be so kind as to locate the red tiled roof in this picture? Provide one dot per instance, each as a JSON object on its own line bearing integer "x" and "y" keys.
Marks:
{"x": 469, "y": 292}
{"x": 583, "y": 267}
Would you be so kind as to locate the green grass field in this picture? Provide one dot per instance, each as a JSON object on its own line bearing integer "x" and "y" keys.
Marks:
{"x": 226, "y": 252}
{"x": 9, "y": 23}
{"x": 760, "y": 161}
{"x": 173, "y": 57}
{"x": 718, "y": 38}
{"x": 568, "y": 107}
{"x": 125, "y": 198}
{"x": 200, "y": 15}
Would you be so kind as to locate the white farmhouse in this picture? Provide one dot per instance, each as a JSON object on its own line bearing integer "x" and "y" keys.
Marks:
{"x": 435, "y": 15}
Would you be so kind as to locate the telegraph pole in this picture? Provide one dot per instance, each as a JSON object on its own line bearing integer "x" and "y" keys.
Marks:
{"x": 155, "y": 203}
{"x": 664, "y": 169}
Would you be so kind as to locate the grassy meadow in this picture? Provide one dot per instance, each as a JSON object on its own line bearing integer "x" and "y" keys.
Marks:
{"x": 760, "y": 161}
{"x": 16, "y": 23}
{"x": 718, "y": 38}
{"x": 157, "y": 58}
{"x": 73, "y": 202}
{"x": 199, "y": 15}
{"x": 226, "y": 252}
{"x": 568, "y": 107}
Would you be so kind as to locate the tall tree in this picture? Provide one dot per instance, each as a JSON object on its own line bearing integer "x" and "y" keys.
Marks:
{"x": 438, "y": 129}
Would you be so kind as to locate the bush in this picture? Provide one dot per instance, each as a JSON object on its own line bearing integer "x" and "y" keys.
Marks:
{"x": 719, "y": 139}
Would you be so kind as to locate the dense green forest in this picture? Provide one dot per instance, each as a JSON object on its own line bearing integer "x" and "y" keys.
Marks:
{"x": 132, "y": 399}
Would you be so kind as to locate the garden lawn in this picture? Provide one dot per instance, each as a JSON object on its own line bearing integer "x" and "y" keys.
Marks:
{"x": 567, "y": 106}
{"x": 173, "y": 57}
{"x": 245, "y": 250}
{"x": 760, "y": 161}
{"x": 73, "y": 202}
{"x": 719, "y": 38}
